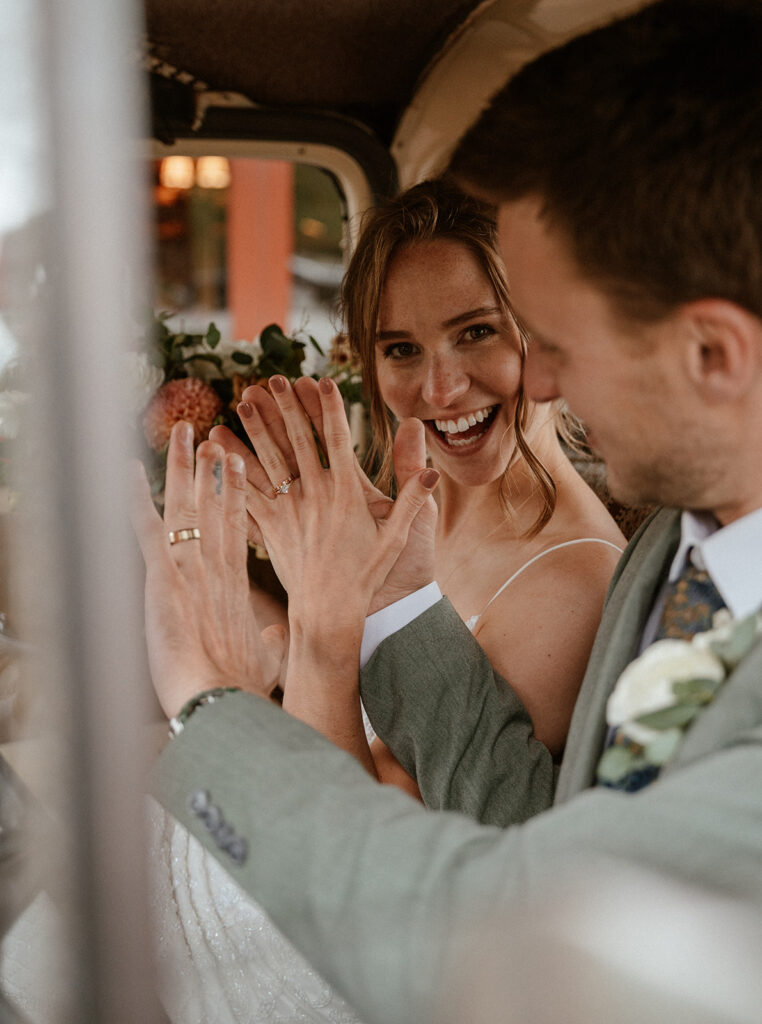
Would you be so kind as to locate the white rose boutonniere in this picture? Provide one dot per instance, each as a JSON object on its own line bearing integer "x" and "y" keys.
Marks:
{"x": 660, "y": 693}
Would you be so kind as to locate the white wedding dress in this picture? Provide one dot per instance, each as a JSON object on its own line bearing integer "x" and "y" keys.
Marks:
{"x": 220, "y": 960}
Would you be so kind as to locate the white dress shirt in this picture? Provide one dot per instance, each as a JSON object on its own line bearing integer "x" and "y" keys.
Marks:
{"x": 732, "y": 555}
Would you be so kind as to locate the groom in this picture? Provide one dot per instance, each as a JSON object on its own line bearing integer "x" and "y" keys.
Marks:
{"x": 627, "y": 166}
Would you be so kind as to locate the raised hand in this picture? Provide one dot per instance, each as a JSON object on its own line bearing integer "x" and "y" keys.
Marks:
{"x": 328, "y": 531}
{"x": 199, "y": 626}
{"x": 263, "y": 420}
{"x": 415, "y": 566}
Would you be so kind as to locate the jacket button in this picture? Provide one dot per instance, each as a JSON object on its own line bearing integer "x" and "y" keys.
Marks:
{"x": 199, "y": 801}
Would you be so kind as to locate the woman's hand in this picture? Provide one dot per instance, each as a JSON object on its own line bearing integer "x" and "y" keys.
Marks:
{"x": 199, "y": 626}
{"x": 332, "y": 537}
{"x": 264, "y": 423}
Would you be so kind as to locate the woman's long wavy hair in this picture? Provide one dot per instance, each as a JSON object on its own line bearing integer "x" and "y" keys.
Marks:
{"x": 431, "y": 210}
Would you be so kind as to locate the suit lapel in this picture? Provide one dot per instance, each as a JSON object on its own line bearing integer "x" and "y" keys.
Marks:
{"x": 639, "y": 575}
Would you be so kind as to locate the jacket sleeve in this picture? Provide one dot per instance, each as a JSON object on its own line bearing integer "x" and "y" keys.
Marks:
{"x": 382, "y": 895}
{"x": 455, "y": 724}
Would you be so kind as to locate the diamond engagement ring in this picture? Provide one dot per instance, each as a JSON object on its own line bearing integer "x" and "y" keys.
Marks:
{"x": 283, "y": 486}
{"x": 175, "y": 536}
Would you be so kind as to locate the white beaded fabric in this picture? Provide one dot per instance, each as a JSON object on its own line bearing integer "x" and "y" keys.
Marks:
{"x": 220, "y": 958}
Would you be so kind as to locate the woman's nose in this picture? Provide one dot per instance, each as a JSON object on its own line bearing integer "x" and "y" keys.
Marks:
{"x": 445, "y": 381}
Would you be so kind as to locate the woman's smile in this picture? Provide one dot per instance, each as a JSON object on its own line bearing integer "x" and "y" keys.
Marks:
{"x": 466, "y": 430}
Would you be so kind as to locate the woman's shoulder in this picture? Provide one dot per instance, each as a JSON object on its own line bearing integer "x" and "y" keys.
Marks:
{"x": 577, "y": 550}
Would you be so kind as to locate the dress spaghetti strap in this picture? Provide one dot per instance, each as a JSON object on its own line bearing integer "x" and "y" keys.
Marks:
{"x": 473, "y": 619}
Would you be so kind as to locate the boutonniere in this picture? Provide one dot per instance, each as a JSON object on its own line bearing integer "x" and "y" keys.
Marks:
{"x": 660, "y": 693}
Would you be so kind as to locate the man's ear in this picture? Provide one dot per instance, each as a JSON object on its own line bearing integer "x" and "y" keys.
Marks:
{"x": 724, "y": 351}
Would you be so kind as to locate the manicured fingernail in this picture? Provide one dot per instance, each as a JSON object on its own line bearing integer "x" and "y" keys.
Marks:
{"x": 244, "y": 409}
{"x": 326, "y": 385}
{"x": 429, "y": 478}
{"x": 278, "y": 385}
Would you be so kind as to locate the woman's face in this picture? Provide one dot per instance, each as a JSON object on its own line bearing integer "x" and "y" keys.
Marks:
{"x": 447, "y": 354}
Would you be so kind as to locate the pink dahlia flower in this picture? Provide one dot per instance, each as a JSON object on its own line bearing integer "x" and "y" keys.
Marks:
{"x": 187, "y": 398}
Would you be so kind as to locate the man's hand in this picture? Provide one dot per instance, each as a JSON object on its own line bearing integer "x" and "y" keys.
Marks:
{"x": 200, "y": 630}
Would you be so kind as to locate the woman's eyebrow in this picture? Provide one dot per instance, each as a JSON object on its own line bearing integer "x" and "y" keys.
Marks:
{"x": 472, "y": 314}
{"x": 390, "y": 335}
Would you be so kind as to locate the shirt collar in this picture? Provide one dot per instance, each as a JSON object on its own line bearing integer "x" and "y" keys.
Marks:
{"x": 732, "y": 555}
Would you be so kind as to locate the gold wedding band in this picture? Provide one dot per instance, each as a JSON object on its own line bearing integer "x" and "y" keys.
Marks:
{"x": 283, "y": 486}
{"x": 175, "y": 536}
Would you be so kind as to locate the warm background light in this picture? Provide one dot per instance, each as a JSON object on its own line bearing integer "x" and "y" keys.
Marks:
{"x": 212, "y": 172}
{"x": 177, "y": 172}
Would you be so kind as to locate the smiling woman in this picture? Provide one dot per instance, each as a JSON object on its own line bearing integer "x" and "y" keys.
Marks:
{"x": 524, "y": 549}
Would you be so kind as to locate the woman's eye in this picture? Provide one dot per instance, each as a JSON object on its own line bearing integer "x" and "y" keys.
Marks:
{"x": 478, "y": 331}
{"x": 399, "y": 350}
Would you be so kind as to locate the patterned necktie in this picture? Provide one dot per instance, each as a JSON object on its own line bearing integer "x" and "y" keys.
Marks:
{"x": 689, "y": 606}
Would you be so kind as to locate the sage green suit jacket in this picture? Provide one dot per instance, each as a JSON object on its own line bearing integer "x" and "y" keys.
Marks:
{"x": 380, "y": 893}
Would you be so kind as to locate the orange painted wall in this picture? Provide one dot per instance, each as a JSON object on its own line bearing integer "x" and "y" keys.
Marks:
{"x": 260, "y": 243}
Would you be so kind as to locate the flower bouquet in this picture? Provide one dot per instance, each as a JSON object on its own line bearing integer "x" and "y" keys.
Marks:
{"x": 200, "y": 378}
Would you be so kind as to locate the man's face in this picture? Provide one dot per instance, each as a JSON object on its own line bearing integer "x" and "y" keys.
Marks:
{"x": 626, "y": 381}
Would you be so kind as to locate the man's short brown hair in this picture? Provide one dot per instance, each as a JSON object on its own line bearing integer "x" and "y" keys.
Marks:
{"x": 643, "y": 142}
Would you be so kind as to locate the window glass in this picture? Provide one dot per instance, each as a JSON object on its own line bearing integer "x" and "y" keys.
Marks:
{"x": 246, "y": 243}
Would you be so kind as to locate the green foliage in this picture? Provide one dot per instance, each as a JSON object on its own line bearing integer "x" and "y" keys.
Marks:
{"x": 616, "y": 762}
{"x": 182, "y": 354}
{"x": 663, "y": 746}
{"x": 669, "y": 718}
{"x": 280, "y": 354}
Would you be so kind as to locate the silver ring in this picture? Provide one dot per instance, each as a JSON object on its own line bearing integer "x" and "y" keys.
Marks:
{"x": 175, "y": 536}
{"x": 283, "y": 486}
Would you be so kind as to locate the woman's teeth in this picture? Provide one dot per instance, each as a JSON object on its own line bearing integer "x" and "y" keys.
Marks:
{"x": 451, "y": 428}
{"x": 464, "y": 422}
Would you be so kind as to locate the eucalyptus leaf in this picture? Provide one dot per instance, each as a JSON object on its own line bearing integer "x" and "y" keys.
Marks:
{"x": 315, "y": 345}
{"x": 616, "y": 762}
{"x": 212, "y": 336}
{"x": 661, "y": 749}
{"x": 242, "y": 358}
{"x": 696, "y": 691}
{"x": 669, "y": 718}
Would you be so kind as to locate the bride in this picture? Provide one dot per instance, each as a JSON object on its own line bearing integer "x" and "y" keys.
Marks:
{"x": 524, "y": 551}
